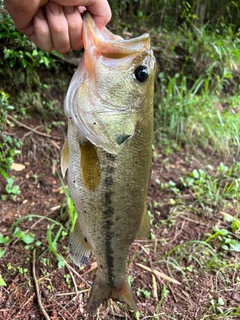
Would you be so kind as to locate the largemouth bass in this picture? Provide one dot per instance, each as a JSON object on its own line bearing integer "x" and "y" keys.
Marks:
{"x": 109, "y": 105}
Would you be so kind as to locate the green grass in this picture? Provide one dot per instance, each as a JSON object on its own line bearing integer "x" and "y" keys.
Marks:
{"x": 197, "y": 101}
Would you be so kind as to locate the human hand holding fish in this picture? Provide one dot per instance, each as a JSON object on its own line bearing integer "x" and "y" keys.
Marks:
{"x": 56, "y": 24}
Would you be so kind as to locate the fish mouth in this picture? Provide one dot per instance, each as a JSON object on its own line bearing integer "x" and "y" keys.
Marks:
{"x": 108, "y": 123}
{"x": 110, "y": 45}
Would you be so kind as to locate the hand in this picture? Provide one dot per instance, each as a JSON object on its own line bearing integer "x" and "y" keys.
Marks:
{"x": 56, "y": 24}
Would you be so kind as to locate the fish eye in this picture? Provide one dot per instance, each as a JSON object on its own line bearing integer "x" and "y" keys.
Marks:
{"x": 141, "y": 73}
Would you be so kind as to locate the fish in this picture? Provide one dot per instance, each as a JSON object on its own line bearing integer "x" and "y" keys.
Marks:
{"x": 108, "y": 155}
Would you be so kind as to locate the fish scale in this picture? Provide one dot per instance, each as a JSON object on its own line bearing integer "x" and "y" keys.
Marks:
{"x": 108, "y": 156}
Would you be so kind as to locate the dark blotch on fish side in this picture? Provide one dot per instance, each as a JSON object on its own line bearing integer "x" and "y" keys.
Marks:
{"x": 110, "y": 169}
{"x": 110, "y": 157}
{"x": 122, "y": 138}
{"x": 84, "y": 260}
{"x": 70, "y": 248}
{"x": 108, "y": 181}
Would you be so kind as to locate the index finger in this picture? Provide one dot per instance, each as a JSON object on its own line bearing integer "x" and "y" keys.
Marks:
{"x": 99, "y": 9}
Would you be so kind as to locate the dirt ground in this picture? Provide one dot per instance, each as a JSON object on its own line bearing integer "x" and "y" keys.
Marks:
{"x": 168, "y": 274}
{"x": 177, "y": 289}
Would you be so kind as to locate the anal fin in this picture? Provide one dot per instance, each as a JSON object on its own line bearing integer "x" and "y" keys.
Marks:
{"x": 144, "y": 231}
{"x": 79, "y": 248}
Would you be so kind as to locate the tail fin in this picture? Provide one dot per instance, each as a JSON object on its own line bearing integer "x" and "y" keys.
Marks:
{"x": 101, "y": 292}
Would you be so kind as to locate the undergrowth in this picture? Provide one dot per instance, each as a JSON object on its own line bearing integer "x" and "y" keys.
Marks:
{"x": 9, "y": 147}
{"x": 198, "y": 104}
{"x": 18, "y": 49}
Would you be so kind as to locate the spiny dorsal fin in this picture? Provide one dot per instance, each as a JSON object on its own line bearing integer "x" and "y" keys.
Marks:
{"x": 64, "y": 158}
{"x": 79, "y": 248}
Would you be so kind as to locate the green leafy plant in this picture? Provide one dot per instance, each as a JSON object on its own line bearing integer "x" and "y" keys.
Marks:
{"x": 214, "y": 189}
{"x": 11, "y": 189}
{"x": 226, "y": 239}
{"x": 2, "y": 282}
{"x": 196, "y": 83}
{"x": 9, "y": 146}
{"x": 70, "y": 206}
{"x": 3, "y": 241}
{"x": 18, "y": 49}
{"x": 27, "y": 238}
{"x": 55, "y": 232}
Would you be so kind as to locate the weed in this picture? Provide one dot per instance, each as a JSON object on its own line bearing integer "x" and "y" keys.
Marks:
{"x": 67, "y": 278}
{"x": 189, "y": 103}
{"x": 164, "y": 294}
{"x": 9, "y": 146}
{"x": 145, "y": 293}
{"x": 3, "y": 241}
{"x": 70, "y": 206}
{"x": 52, "y": 243}
{"x": 27, "y": 238}
{"x": 226, "y": 239}
{"x": 21, "y": 270}
{"x": 11, "y": 189}
{"x": 21, "y": 51}
{"x": 2, "y": 282}
{"x": 211, "y": 189}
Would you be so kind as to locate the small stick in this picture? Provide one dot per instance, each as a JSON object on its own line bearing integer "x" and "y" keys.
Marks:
{"x": 37, "y": 289}
{"x": 158, "y": 274}
{"x": 71, "y": 268}
{"x": 70, "y": 293}
{"x": 70, "y": 272}
{"x": 154, "y": 287}
{"x": 20, "y": 124}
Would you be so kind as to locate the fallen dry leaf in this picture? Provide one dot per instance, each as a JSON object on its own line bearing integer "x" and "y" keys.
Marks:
{"x": 17, "y": 166}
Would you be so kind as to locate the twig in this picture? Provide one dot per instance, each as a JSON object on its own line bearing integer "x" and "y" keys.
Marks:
{"x": 70, "y": 293}
{"x": 173, "y": 294}
{"x": 20, "y": 124}
{"x": 74, "y": 271}
{"x": 37, "y": 289}
{"x": 158, "y": 274}
{"x": 28, "y": 133}
{"x": 70, "y": 272}
{"x": 154, "y": 287}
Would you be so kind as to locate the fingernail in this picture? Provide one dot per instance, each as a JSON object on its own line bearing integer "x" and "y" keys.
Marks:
{"x": 54, "y": 8}
{"x": 41, "y": 14}
{"x": 69, "y": 9}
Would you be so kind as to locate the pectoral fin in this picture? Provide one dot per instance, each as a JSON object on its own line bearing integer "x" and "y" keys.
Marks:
{"x": 64, "y": 158}
{"x": 90, "y": 166}
{"x": 79, "y": 248}
{"x": 144, "y": 231}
